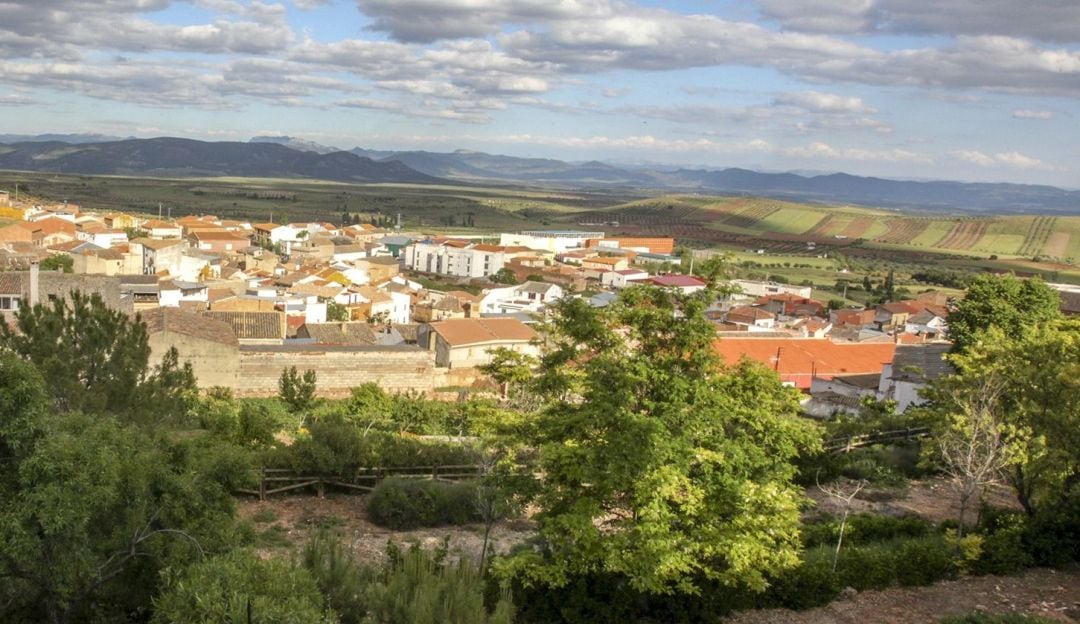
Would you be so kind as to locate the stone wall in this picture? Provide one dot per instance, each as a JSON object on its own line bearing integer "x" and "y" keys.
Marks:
{"x": 338, "y": 369}
{"x": 214, "y": 363}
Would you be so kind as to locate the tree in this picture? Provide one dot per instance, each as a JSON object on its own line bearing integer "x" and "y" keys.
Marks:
{"x": 504, "y": 276}
{"x": 94, "y": 510}
{"x": 1003, "y": 301}
{"x": 1038, "y": 374}
{"x": 337, "y": 312}
{"x": 296, "y": 391}
{"x": 660, "y": 464}
{"x": 969, "y": 441}
{"x": 58, "y": 262}
{"x": 92, "y": 358}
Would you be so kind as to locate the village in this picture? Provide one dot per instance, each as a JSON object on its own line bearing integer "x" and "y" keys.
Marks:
{"x": 356, "y": 303}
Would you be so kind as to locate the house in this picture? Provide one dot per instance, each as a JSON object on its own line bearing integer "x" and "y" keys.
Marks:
{"x": 376, "y": 305}
{"x": 754, "y": 288}
{"x": 158, "y": 256}
{"x": 274, "y": 234}
{"x": 749, "y": 318}
{"x": 530, "y": 297}
{"x": 219, "y": 241}
{"x": 622, "y": 278}
{"x": 799, "y": 361}
{"x": 841, "y": 394}
{"x": 352, "y": 333}
{"x": 853, "y": 318}
{"x": 378, "y": 270}
{"x": 253, "y": 328}
{"x": 606, "y": 263}
{"x": 685, "y": 283}
{"x": 456, "y": 258}
{"x": 912, "y": 369}
{"x": 468, "y": 342}
{"x": 787, "y": 304}
{"x": 930, "y": 323}
{"x": 209, "y": 345}
{"x": 162, "y": 229}
{"x": 895, "y": 315}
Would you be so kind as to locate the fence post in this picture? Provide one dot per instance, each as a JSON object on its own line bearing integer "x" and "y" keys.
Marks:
{"x": 262, "y": 483}
{"x": 435, "y": 472}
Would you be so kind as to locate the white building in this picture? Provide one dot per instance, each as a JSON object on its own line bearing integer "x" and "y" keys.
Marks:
{"x": 456, "y": 258}
{"x": 754, "y": 288}
{"x": 555, "y": 241}
{"x": 528, "y": 297}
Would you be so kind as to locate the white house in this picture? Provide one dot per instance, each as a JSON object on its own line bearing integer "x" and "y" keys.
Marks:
{"x": 528, "y": 297}
{"x": 622, "y": 278}
{"x": 555, "y": 241}
{"x": 912, "y": 368}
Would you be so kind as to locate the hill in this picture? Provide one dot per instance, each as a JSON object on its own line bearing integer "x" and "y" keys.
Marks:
{"x": 188, "y": 158}
{"x": 933, "y": 196}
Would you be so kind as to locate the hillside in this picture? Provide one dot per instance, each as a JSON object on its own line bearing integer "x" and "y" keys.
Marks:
{"x": 781, "y": 226}
{"x": 187, "y": 158}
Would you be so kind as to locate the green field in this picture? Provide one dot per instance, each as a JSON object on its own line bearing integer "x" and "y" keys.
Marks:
{"x": 1025, "y": 243}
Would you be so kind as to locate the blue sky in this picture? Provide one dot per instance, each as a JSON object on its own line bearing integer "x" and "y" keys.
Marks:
{"x": 946, "y": 89}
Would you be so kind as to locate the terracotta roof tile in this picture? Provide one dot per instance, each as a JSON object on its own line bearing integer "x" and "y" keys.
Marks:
{"x": 461, "y": 332}
{"x": 800, "y": 359}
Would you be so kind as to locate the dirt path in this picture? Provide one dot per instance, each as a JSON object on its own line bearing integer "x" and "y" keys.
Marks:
{"x": 1053, "y": 594}
{"x": 293, "y": 519}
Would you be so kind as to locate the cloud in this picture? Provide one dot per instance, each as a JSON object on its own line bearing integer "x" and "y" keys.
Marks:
{"x": 824, "y": 150}
{"x": 805, "y": 111}
{"x": 1013, "y": 159}
{"x": 61, "y": 30}
{"x": 1024, "y": 113}
{"x": 1056, "y": 21}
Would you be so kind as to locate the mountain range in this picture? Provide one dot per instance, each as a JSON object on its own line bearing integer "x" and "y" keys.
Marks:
{"x": 283, "y": 156}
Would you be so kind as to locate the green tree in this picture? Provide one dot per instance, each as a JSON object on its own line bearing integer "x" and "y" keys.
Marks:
{"x": 504, "y": 276}
{"x": 336, "y": 312}
{"x": 1003, "y": 301}
{"x": 659, "y": 463}
{"x": 93, "y": 358}
{"x": 296, "y": 390}
{"x": 94, "y": 510}
{"x": 58, "y": 262}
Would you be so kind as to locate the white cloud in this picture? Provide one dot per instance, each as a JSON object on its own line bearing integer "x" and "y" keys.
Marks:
{"x": 1013, "y": 159}
{"x": 1025, "y": 113}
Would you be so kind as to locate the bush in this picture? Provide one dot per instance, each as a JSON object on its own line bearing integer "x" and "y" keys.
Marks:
{"x": 867, "y": 567}
{"x": 925, "y": 560}
{"x": 401, "y": 504}
{"x": 414, "y": 587}
{"x": 239, "y": 587}
{"x": 865, "y": 529}
{"x": 811, "y": 584}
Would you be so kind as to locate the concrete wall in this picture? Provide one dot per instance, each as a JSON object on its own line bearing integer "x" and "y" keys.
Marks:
{"x": 338, "y": 369}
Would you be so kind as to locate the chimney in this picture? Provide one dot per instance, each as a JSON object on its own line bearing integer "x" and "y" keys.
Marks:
{"x": 34, "y": 290}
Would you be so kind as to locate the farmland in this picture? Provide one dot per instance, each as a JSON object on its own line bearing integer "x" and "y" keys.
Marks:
{"x": 1025, "y": 243}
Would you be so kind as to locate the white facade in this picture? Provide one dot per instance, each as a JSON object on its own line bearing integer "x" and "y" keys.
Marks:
{"x": 761, "y": 289}
{"x": 555, "y": 241}
{"x": 442, "y": 259}
{"x": 622, "y": 279}
{"x": 528, "y": 297}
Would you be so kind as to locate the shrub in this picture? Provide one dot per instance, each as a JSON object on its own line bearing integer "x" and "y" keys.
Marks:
{"x": 867, "y": 567}
{"x": 239, "y": 587}
{"x": 400, "y": 503}
{"x": 811, "y": 584}
{"x": 925, "y": 560}
{"x": 865, "y": 529}
{"x": 1003, "y": 543}
{"x": 413, "y": 587}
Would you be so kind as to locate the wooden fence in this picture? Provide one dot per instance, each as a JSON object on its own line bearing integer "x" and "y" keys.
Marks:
{"x": 850, "y": 443}
{"x": 278, "y": 480}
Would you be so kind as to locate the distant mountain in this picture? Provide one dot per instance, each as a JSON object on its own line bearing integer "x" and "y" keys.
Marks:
{"x": 185, "y": 157}
{"x": 295, "y": 143}
{"x": 825, "y": 188}
{"x": 63, "y": 138}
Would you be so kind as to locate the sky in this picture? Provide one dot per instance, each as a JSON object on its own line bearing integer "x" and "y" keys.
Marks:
{"x": 982, "y": 90}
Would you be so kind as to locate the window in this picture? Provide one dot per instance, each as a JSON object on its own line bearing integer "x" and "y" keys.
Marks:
{"x": 9, "y": 303}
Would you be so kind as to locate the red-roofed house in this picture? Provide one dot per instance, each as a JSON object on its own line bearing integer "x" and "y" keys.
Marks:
{"x": 686, "y": 283}
{"x": 791, "y": 305}
{"x": 799, "y": 360}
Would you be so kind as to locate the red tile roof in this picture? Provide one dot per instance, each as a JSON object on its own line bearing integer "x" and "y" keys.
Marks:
{"x": 801, "y": 359}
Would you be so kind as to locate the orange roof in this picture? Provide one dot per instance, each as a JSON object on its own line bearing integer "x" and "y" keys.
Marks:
{"x": 460, "y": 332}
{"x": 799, "y": 360}
{"x": 489, "y": 248}
{"x": 219, "y": 235}
{"x": 610, "y": 261}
